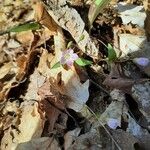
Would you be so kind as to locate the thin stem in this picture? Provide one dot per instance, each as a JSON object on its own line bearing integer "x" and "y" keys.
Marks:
{"x": 103, "y": 127}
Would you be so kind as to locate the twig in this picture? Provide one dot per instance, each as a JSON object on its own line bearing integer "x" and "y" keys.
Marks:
{"x": 104, "y": 127}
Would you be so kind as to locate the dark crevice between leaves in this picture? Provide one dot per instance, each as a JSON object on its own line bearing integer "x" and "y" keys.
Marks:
{"x": 135, "y": 112}
{"x": 83, "y": 123}
{"x": 21, "y": 89}
{"x": 49, "y": 45}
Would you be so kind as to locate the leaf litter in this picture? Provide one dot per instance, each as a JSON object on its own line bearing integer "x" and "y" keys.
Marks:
{"x": 53, "y": 108}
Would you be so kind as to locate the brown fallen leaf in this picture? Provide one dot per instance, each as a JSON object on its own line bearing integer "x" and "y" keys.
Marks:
{"x": 116, "y": 79}
{"x": 69, "y": 19}
{"x": 140, "y": 133}
{"x": 51, "y": 104}
{"x": 70, "y": 137}
{"x": 29, "y": 125}
{"x": 43, "y": 143}
{"x": 25, "y": 37}
{"x": 122, "y": 138}
{"x": 116, "y": 109}
{"x": 43, "y": 17}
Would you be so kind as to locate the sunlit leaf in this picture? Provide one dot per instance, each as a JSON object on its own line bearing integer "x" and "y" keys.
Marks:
{"x": 25, "y": 27}
{"x": 96, "y": 8}
{"x": 111, "y": 53}
{"x": 57, "y": 65}
{"x": 83, "y": 62}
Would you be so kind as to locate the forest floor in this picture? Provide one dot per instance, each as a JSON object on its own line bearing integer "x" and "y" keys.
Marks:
{"x": 99, "y": 101}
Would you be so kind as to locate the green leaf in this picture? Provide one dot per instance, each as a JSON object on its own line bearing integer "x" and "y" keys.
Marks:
{"x": 56, "y": 65}
{"x": 69, "y": 44}
{"x": 111, "y": 53}
{"x": 96, "y": 7}
{"x": 25, "y": 27}
{"x": 83, "y": 62}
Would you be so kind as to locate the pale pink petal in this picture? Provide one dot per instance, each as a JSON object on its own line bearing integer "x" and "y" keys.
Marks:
{"x": 62, "y": 60}
{"x": 70, "y": 51}
{"x": 68, "y": 57}
{"x": 113, "y": 123}
{"x": 69, "y": 62}
{"x": 74, "y": 56}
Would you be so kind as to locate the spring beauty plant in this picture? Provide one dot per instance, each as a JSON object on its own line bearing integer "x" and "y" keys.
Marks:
{"x": 68, "y": 58}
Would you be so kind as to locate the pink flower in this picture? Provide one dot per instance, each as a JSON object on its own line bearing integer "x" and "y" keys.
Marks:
{"x": 68, "y": 57}
{"x": 113, "y": 123}
{"x": 142, "y": 61}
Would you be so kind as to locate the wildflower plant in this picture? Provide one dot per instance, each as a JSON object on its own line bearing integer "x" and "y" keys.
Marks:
{"x": 68, "y": 58}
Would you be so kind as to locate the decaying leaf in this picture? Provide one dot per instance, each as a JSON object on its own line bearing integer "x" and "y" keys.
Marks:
{"x": 94, "y": 140}
{"x": 122, "y": 138}
{"x": 43, "y": 143}
{"x": 36, "y": 81}
{"x": 23, "y": 131}
{"x": 42, "y": 16}
{"x": 117, "y": 80}
{"x": 141, "y": 94}
{"x": 140, "y": 133}
{"x": 52, "y": 103}
{"x": 70, "y": 137}
{"x": 116, "y": 109}
{"x": 7, "y": 77}
{"x": 72, "y": 22}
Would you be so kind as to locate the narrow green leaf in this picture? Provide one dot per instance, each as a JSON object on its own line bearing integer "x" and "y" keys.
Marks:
{"x": 83, "y": 62}
{"x": 111, "y": 53}
{"x": 56, "y": 65}
{"x": 69, "y": 44}
{"x": 25, "y": 27}
{"x": 96, "y": 7}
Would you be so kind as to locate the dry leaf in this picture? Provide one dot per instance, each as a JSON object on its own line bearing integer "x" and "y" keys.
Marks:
{"x": 51, "y": 103}
{"x": 116, "y": 109}
{"x": 30, "y": 126}
{"x": 42, "y": 16}
{"x": 141, "y": 94}
{"x": 6, "y": 69}
{"x": 122, "y": 138}
{"x": 7, "y": 77}
{"x": 25, "y": 37}
{"x": 138, "y": 132}
{"x": 117, "y": 80}
{"x": 69, "y": 19}
{"x": 43, "y": 143}
{"x": 36, "y": 81}
{"x": 70, "y": 137}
